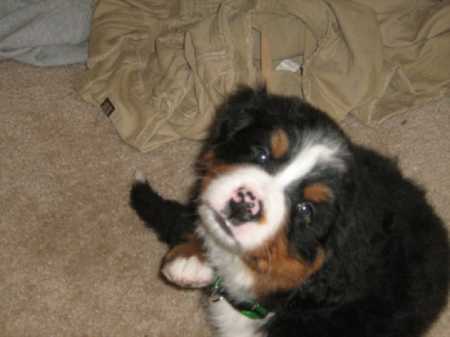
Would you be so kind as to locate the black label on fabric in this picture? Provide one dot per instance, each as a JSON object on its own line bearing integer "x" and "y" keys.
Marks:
{"x": 107, "y": 107}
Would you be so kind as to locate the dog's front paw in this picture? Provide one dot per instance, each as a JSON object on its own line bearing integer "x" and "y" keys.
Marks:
{"x": 188, "y": 272}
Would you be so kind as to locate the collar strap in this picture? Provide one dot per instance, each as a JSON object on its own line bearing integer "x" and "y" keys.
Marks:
{"x": 250, "y": 309}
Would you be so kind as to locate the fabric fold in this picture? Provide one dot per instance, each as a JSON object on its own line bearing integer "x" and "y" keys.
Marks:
{"x": 164, "y": 66}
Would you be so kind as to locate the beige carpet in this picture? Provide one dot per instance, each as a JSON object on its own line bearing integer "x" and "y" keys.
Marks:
{"x": 74, "y": 259}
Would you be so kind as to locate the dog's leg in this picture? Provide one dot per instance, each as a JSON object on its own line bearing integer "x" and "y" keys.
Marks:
{"x": 185, "y": 265}
{"x": 169, "y": 219}
{"x": 174, "y": 223}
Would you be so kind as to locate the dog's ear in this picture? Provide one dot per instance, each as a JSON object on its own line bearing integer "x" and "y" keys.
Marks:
{"x": 236, "y": 113}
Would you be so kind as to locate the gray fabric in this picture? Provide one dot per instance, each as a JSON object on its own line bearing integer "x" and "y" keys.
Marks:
{"x": 45, "y": 32}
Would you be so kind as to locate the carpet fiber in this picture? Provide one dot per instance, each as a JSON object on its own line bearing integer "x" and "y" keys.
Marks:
{"x": 75, "y": 260}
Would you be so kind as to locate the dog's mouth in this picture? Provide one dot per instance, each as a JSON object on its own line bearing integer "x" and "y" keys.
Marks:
{"x": 221, "y": 221}
{"x": 219, "y": 227}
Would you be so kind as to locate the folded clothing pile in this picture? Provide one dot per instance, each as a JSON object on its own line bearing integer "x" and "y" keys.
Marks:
{"x": 159, "y": 68}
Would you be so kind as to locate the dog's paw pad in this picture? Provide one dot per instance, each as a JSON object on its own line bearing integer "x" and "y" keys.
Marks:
{"x": 188, "y": 272}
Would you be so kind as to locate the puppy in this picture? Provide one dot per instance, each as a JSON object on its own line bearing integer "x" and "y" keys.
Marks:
{"x": 296, "y": 231}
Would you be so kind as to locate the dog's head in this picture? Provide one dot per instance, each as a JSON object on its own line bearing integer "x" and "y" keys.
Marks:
{"x": 273, "y": 171}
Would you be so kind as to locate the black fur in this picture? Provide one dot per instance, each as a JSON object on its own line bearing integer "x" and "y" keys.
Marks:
{"x": 170, "y": 220}
{"x": 389, "y": 273}
{"x": 387, "y": 269}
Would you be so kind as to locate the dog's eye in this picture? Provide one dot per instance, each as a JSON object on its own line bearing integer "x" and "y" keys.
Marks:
{"x": 305, "y": 210}
{"x": 260, "y": 154}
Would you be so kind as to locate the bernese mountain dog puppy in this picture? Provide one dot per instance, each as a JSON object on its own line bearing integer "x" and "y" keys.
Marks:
{"x": 296, "y": 231}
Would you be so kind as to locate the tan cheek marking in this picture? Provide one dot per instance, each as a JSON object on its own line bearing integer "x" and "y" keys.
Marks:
{"x": 213, "y": 172}
{"x": 262, "y": 220}
{"x": 276, "y": 270}
{"x": 193, "y": 247}
{"x": 317, "y": 192}
{"x": 212, "y": 169}
{"x": 279, "y": 143}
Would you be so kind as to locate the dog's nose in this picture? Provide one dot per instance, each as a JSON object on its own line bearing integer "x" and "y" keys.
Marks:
{"x": 243, "y": 207}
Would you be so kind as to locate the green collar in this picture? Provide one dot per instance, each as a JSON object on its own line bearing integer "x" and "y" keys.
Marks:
{"x": 249, "y": 309}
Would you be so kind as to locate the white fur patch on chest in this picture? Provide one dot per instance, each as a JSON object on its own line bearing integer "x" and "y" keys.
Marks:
{"x": 238, "y": 282}
{"x": 237, "y": 278}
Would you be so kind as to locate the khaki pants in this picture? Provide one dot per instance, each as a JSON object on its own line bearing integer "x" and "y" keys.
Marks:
{"x": 160, "y": 67}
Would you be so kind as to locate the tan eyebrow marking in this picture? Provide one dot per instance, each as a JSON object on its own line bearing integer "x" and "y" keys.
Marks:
{"x": 279, "y": 143}
{"x": 317, "y": 192}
